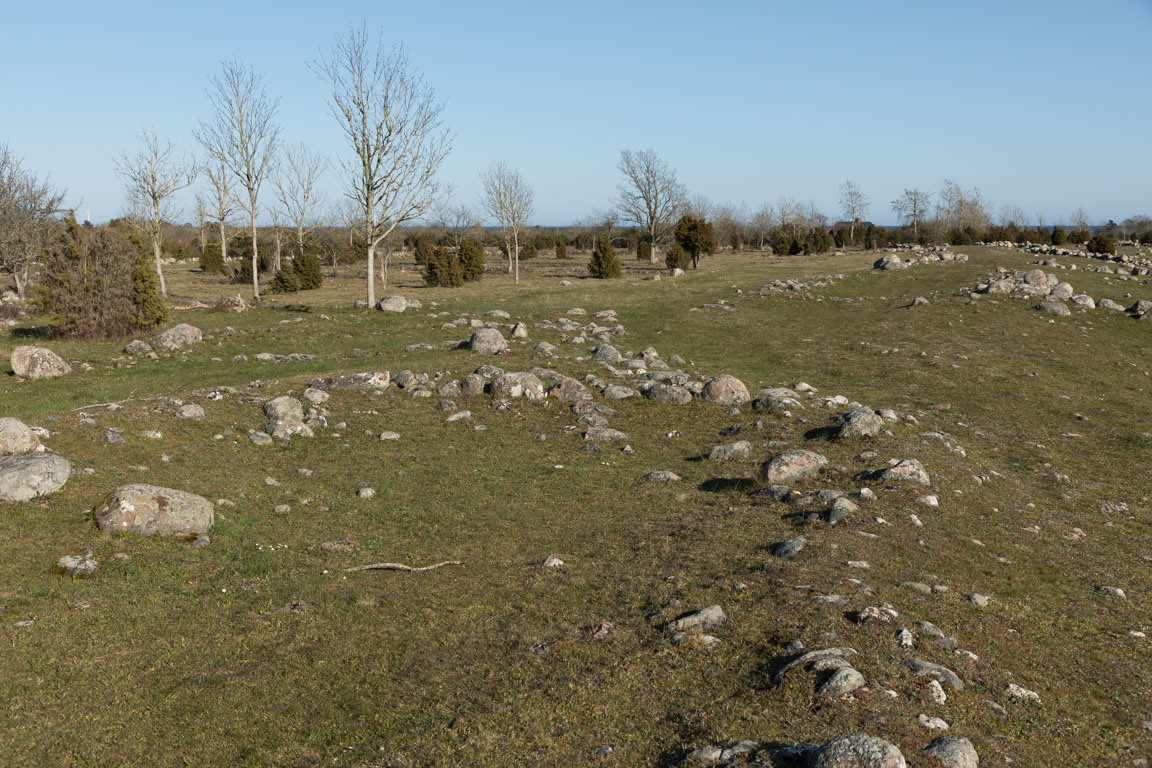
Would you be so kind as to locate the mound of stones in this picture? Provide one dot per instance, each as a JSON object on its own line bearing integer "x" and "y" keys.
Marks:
{"x": 26, "y": 470}
{"x": 38, "y": 363}
{"x": 1052, "y": 292}
{"x": 892, "y": 261}
{"x": 854, "y": 751}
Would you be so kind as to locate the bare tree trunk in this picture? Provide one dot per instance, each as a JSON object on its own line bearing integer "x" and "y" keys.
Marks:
{"x": 255, "y": 262}
{"x": 279, "y": 240}
{"x": 21, "y": 281}
{"x": 516, "y": 250}
{"x": 384, "y": 267}
{"x": 159, "y": 269}
{"x": 371, "y": 273}
{"x": 224, "y": 244}
{"x": 652, "y": 246}
{"x": 508, "y": 248}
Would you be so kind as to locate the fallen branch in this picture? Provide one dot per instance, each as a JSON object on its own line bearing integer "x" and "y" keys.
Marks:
{"x": 400, "y": 566}
{"x": 131, "y": 396}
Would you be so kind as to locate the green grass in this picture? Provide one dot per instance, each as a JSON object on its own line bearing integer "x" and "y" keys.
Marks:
{"x": 194, "y": 657}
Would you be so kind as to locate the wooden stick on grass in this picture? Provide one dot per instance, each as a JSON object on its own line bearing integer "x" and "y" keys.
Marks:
{"x": 400, "y": 566}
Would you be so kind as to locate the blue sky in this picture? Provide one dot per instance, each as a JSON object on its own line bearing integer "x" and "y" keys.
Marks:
{"x": 1042, "y": 105}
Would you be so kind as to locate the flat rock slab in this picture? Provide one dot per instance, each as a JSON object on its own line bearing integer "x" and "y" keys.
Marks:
{"x": 38, "y": 363}
{"x": 935, "y": 671}
{"x": 30, "y": 475}
{"x": 368, "y": 380}
{"x": 149, "y": 509}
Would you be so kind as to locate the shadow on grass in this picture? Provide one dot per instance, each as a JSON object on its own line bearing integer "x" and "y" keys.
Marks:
{"x": 822, "y": 433}
{"x": 724, "y": 484}
{"x": 36, "y": 332}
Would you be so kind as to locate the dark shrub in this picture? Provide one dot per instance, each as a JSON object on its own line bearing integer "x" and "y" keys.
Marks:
{"x": 604, "y": 263}
{"x": 98, "y": 285}
{"x": 1102, "y": 244}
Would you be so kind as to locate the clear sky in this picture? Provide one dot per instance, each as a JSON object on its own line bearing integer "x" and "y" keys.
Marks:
{"x": 1041, "y": 104}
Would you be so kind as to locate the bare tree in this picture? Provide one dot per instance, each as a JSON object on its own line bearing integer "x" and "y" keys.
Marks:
{"x": 457, "y": 221}
{"x": 243, "y": 137}
{"x": 912, "y": 208}
{"x": 152, "y": 178}
{"x": 1079, "y": 219}
{"x": 297, "y": 189}
{"x": 1013, "y": 215}
{"x": 508, "y": 199}
{"x": 853, "y": 205}
{"x": 392, "y": 122}
{"x": 28, "y": 210}
{"x": 729, "y": 222}
{"x": 761, "y": 223}
{"x": 221, "y": 203}
{"x": 650, "y": 196}
{"x": 202, "y": 220}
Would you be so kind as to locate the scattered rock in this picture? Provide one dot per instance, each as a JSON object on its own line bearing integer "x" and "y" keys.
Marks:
{"x": 392, "y": 304}
{"x": 791, "y": 467}
{"x": 935, "y": 671}
{"x": 953, "y": 753}
{"x": 176, "y": 338}
{"x": 859, "y": 751}
{"x": 843, "y": 681}
{"x": 190, "y": 411}
{"x": 16, "y": 437}
{"x": 906, "y": 471}
{"x": 789, "y": 548}
{"x": 148, "y": 509}
{"x": 77, "y": 566}
{"x": 705, "y": 618}
{"x": 38, "y": 363}
{"x": 726, "y": 390}
{"x": 488, "y": 341}
{"x": 27, "y": 476}
{"x": 741, "y": 449}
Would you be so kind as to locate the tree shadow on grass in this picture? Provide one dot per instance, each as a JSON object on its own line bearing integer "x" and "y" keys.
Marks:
{"x": 724, "y": 484}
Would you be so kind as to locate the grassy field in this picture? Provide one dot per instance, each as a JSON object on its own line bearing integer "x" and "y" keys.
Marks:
{"x": 260, "y": 650}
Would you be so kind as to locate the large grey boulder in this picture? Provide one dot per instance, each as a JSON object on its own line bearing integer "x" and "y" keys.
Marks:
{"x": 740, "y": 449}
{"x": 860, "y": 422}
{"x": 488, "y": 341}
{"x": 137, "y": 347}
{"x": 17, "y": 437}
{"x": 38, "y": 363}
{"x": 176, "y": 338}
{"x": 859, "y": 751}
{"x": 27, "y": 476}
{"x": 148, "y": 509}
{"x": 392, "y": 304}
{"x": 906, "y": 471}
{"x": 607, "y": 353}
{"x": 519, "y": 384}
{"x": 791, "y": 467}
{"x": 889, "y": 262}
{"x": 669, "y": 394}
{"x": 284, "y": 408}
{"x": 953, "y": 752}
{"x": 726, "y": 390}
